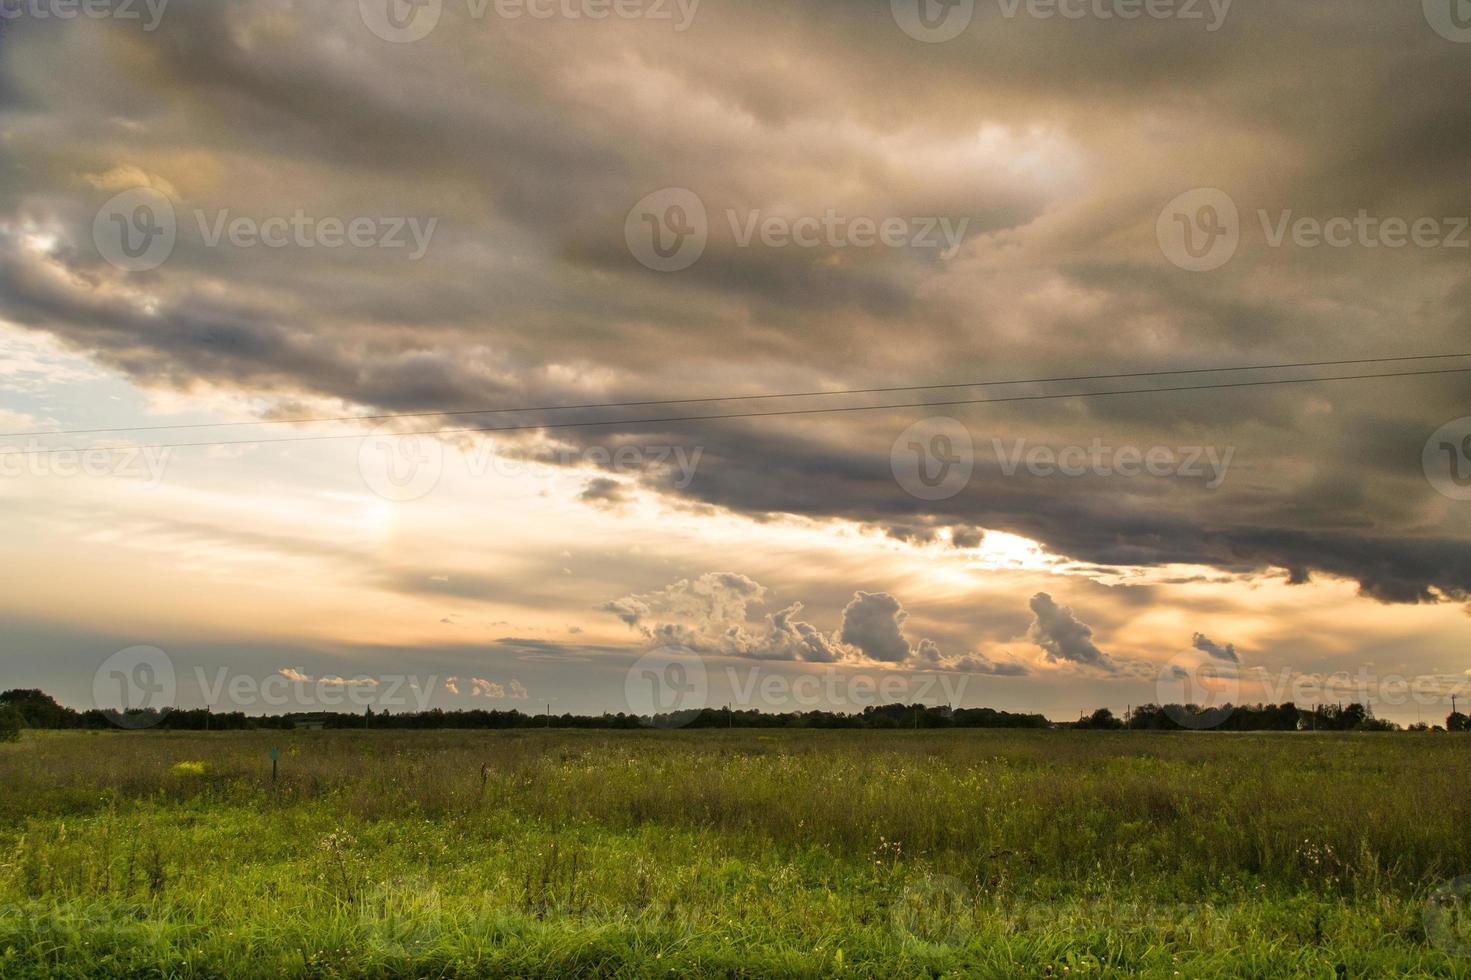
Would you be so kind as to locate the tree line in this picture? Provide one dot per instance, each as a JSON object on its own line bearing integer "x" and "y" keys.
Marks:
{"x": 20, "y": 709}
{"x": 1287, "y": 717}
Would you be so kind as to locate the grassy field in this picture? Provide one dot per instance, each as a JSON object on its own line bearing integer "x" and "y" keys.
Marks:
{"x": 733, "y": 854}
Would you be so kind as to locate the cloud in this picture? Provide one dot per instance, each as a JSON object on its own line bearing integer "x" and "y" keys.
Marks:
{"x": 480, "y": 687}
{"x": 711, "y": 614}
{"x": 300, "y": 677}
{"x": 1208, "y": 646}
{"x": 967, "y": 537}
{"x": 529, "y": 296}
{"x": 793, "y": 640}
{"x": 605, "y": 492}
{"x": 707, "y": 604}
{"x": 874, "y": 624}
{"x": 976, "y": 663}
{"x": 928, "y": 654}
{"x": 1062, "y": 636}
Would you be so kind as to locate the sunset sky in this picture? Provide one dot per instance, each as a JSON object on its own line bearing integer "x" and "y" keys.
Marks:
{"x": 500, "y": 169}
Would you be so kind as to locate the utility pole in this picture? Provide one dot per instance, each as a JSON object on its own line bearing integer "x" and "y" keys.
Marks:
{"x": 549, "y": 717}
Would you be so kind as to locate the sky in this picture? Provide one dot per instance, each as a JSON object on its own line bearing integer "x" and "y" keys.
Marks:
{"x": 219, "y": 220}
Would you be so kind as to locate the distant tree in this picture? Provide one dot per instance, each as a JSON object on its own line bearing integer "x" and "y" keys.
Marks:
{"x": 11, "y": 723}
{"x": 1457, "y": 721}
{"x": 1102, "y": 720}
{"x": 1149, "y": 717}
{"x": 39, "y": 710}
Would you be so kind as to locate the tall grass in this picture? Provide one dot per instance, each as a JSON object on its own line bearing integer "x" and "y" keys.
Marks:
{"x": 798, "y": 845}
{"x": 1285, "y": 809}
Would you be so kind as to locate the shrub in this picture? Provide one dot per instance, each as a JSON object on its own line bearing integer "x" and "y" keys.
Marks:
{"x": 11, "y": 723}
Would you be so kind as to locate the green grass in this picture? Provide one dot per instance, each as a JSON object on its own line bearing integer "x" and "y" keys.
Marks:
{"x": 730, "y": 854}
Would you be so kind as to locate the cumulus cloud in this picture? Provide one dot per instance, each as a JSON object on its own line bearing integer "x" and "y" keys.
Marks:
{"x": 798, "y": 640}
{"x": 690, "y": 609}
{"x": 480, "y": 687}
{"x": 874, "y": 624}
{"x": 1211, "y": 648}
{"x": 1062, "y": 636}
{"x": 301, "y": 677}
{"x": 711, "y": 614}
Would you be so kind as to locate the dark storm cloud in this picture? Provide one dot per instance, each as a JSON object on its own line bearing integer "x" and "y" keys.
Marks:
{"x": 532, "y": 140}
{"x": 1109, "y": 521}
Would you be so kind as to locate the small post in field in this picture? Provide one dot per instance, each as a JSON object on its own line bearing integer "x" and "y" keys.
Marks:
{"x": 275, "y": 756}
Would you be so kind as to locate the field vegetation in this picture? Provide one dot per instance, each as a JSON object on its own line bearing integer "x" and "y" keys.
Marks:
{"x": 733, "y": 853}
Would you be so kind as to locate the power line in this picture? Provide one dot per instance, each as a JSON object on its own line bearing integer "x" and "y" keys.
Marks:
{"x": 748, "y": 415}
{"x": 731, "y": 398}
